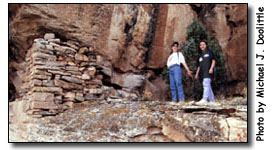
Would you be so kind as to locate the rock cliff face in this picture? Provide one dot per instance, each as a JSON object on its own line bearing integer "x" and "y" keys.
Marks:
{"x": 134, "y": 39}
{"x": 104, "y": 62}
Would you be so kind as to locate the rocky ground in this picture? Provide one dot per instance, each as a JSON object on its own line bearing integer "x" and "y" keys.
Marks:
{"x": 117, "y": 120}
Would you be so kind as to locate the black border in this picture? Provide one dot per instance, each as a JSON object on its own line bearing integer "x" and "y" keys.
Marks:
{"x": 153, "y": 144}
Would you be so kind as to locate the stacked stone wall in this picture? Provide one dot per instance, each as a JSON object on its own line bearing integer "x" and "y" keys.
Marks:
{"x": 62, "y": 73}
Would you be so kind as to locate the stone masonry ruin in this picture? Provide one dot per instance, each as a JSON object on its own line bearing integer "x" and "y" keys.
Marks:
{"x": 63, "y": 76}
{"x": 59, "y": 74}
{"x": 96, "y": 75}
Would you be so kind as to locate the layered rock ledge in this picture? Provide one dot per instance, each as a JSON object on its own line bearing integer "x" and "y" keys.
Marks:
{"x": 118, "y": 120}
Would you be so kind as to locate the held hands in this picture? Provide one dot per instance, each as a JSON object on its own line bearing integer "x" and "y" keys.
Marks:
{"x": 190, "y": 73}
{"x": 196, "y": 76}
{"x": 210, "y": 71}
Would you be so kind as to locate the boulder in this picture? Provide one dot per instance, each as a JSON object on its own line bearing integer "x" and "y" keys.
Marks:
{"x": 49, "y": 36}
{"x": 128, "y": 80}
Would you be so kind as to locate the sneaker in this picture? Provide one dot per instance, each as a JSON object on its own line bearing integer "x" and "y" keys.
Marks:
{"x": 213, "y": 104}
{"x": 201, "y": 102}
{"x": 173, "y": 103}
{"x": 181, "y": 102}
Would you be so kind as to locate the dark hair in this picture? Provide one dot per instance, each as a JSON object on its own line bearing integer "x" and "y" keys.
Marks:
{"x": 175, "y": 43}
{"x": 199, "y": 49}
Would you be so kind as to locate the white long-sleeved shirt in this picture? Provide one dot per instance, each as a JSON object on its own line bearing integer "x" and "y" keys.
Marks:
{"x": 175, "y": 58}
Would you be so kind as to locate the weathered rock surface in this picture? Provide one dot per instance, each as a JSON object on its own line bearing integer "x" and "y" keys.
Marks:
{"x": 133, "y": 38}
{"x": 99, "y": 58}
{"x": 118, "y": 120}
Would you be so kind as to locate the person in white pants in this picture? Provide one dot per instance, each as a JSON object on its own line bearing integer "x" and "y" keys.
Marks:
{"x": 205, "y": 71}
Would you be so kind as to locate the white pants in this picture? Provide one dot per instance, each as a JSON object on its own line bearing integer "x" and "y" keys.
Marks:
{"x": 207, "y": 90}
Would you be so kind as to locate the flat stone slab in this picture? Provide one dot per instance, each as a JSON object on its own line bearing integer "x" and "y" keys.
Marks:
{"x": 119, "y": 120}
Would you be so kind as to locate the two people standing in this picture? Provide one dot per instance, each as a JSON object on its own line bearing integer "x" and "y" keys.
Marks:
{"x": 205, "y": 69}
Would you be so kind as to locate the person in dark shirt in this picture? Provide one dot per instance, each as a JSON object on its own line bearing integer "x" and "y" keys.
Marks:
{"x": 205, "y": 71}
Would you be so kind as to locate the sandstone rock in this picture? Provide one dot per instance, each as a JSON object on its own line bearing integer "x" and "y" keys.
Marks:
{"x": 43, "y": 55}
{"x": 41, "y": 41}
{"x": 81, "y": 57}
{"x": 138, "y": 121}
{"x": 107, "y": 70}
{"x": 85, "y": 77}
{"x": 49, "y": 47}
{"x": 50, "y": 63}
{"x": 43, "y": 105}
{"x": 173, "y": 134}
{"x": 58, "y": 99}
{"x": 238, "y": 101}
{"x": 79, "y": 97}
{"x": 68, "y": 105}
{"x": 37, "y": 45}
{"x": 82, "y": 64}
{"x": 123, "y": 94}
{"x": 69, "y": 95}
{"x": 72, "y": 68}
{"x": 54, "y": 41}
{"x": 72, "y": 44}
{"x": 93, "y": 82}
{"x": 42, "y": 96}
{"x": 39, "y": 72}
{"x": 76, "y": 74}
{"x": 234, "y": 129}
{"x": 128, "y": 80}
{"x": 95, "y": 91}
{"x": 90, "y": 97}
{"x": 59, "y": 49}
{"x": 57, "y": 77}
{"x": 49, "y": 83}
{"x": 60, "y": 58}
{"x": 98, "y": 58}
{"x": 118, "y": 35}
{"x": 68, "y": 59}
{"x": 83, "y": 50}
{"x": 48, "y": 36}
{"x": 137, "y": 24}
{"x": 35, "y": 112}
{"x": 151, "y": 138}
{"x": 92, "y": 71}
{"x": 157, "y": 88}
{"x": 40, "y": 77}
{"x": 67, "y": 85}
{"x": 59, "y": 72}
{"x": 69, "y": 50}
{"x": 45, "y": 51}
{"x": 99, "y": 77}
{"x": 36, "y": 82}
{"x": 39, "y": 67}
{"x": 122, "y": 41}
{"x": 170, "y": 26}
{"x": 57, "y": 90}
{"x": 71, "y": 63}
